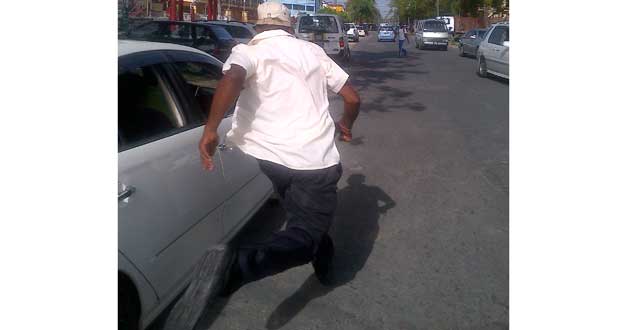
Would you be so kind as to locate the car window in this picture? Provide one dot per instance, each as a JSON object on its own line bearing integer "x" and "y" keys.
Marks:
{"x": 146, "y": 108}
{"x": 200, "y": 81}
{"x": 435, "y": 26}
{"x": 220, "y": 32}
{"x": 145, "y": 30}
{"x": 238, "y": 32}
{"x": 179, "y": 32}
{"x": 325, "y": 24}
{"x": 499, "y": 35}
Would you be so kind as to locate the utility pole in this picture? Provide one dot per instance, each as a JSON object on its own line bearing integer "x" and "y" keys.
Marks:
{"x": 437, "y": 4}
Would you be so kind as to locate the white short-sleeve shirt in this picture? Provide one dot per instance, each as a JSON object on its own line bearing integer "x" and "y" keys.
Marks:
{"x": 282, "y": 112}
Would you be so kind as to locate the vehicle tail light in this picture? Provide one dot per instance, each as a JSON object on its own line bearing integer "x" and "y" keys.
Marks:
{"x": 341, "y": 42}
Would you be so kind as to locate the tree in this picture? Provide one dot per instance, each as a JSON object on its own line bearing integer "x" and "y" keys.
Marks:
{"x": 420, "y": 9}
{"x": 327, "y": 10}
{"x": 363, "y": 11}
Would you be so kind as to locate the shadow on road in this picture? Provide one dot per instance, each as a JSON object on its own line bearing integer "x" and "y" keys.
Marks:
{"x": 354, "y": 231}
{"x": 382, "y": 72}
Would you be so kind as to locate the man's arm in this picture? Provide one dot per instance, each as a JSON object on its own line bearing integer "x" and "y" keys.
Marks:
{"x": 351, "y": 110}
{"x": 227, "y": 91}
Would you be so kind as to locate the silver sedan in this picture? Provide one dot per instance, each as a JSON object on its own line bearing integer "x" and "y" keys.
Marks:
{"x": 170, "y": 210}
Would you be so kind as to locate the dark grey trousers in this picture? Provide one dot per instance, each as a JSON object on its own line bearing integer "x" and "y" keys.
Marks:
{"x": 309, "y": 198}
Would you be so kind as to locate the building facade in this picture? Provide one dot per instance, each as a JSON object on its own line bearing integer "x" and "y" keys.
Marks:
{"x": 298, "y": 7}
{"x": 189, "y": 10}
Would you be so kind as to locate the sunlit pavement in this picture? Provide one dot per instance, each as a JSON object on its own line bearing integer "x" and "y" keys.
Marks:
{"x": 421, "y": 231}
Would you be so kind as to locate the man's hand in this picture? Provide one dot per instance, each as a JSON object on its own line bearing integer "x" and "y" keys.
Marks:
{"x": 345, "y": 133}
{"x": 351, "y": 110}
{"x": 207, "y": 146}
{"x": 227, "y": 91}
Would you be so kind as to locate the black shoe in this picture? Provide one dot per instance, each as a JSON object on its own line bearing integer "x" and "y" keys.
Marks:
{"x": 322, "y": 262}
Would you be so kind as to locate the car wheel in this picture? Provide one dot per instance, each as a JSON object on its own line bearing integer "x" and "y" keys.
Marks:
{"x": 482, "y": 67}
{"x": 445, "y": 48}
{"x": 128, "y": 308}
{"x": 461, "y": 51}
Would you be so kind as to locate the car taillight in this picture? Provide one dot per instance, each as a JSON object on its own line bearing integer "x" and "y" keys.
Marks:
{"x": 341, "y": 42}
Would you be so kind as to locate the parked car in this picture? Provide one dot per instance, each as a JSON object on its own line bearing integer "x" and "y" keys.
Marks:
{"x": 241, "y": 32}
{"x": 386, "y": 33}
{"x": 352, "y": 32}
{"x": 469, "y": 42}
{"x": 212, "y": 39}
{"x": 327, "y": 31}
{"x": 493, "y": 52}
{"x": 170, "y": 210}
{"x": 431, "y": 33}
{"x": 362, "y": 30}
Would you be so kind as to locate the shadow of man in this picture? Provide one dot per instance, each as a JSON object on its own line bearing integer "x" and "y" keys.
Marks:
{"x": 354, "y": 231}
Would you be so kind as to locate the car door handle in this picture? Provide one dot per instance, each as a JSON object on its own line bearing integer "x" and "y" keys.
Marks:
{"x": 128, "y": 191}
{"x": 224, "y": 147}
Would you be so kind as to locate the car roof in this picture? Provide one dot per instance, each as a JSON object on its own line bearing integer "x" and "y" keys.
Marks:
{"x": 126, "y": 47}
{"x": 332, "y": 15}
{"x": 235, "y": 23}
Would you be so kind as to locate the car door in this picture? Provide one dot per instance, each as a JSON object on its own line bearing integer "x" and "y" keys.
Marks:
{"x": 169, "y": 208}
{"x": 200, "y": 75}
{"x": 466, "y": 41}
{"x": 476, "y": 42}
{"x": 504, "y": 54}
{"x": 496, "y": 51}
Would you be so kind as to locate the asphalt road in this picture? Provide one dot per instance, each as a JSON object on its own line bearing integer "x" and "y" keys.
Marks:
{"x": 421, "y": 231}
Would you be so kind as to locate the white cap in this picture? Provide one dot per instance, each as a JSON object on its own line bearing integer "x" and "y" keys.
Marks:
{"x": 273, "y": 13}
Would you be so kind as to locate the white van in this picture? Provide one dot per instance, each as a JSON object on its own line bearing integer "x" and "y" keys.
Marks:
{"x": 431, "y": 33}
{"x": 327, "y": 31}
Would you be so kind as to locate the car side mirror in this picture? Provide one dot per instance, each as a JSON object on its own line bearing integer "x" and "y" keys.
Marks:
{"x": 506, "y": 44}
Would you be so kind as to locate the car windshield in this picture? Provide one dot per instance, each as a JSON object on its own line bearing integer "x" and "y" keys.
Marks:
{"x": 481, "y": 33}
{"x": 326, "y": 24}
{"x": 435, "y": 26}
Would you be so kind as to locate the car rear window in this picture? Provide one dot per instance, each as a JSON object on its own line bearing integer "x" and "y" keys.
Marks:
{"x": 325, "y": 24}
{"x": 385, "y": 29}
{"x": 435, "y": 26}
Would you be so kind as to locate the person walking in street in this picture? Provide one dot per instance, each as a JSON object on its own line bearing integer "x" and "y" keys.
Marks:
{"x": 402, "y": 35}
{"x": 281, "y": 118}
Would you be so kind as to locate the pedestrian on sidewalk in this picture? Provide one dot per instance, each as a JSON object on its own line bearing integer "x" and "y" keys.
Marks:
{"x": 402, "y": 35}
{"x": 281, "y": 118}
